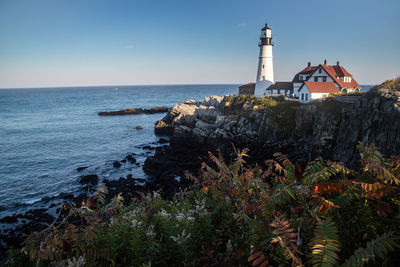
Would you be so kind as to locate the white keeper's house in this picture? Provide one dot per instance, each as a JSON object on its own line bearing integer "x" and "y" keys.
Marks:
{"x": 316, "y": 82}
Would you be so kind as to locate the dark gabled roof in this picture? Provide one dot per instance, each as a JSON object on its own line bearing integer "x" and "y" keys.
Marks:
{"x": 248, "y": 85}
{"x": 321, "y": 87}
{"x": 281, "y": 86}
{"x": 305, "y": 71}
{"x": 266, "y": 27}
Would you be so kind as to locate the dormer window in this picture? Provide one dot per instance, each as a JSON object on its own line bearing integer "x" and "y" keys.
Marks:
{"x": 300, "y": 77}
{"x": 347, "y": 79}
{"x": 319, "y": 70}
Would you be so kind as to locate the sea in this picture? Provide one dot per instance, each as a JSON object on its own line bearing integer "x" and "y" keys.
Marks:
{"x": 47, "y": 133}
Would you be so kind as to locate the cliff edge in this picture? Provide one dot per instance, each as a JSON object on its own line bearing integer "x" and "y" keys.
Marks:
{"x": 330, "y": 128}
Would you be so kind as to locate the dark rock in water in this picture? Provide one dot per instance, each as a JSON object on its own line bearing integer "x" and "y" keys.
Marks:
{"x": 130, "y": 159}
{"x": 163, "y": 141}
{"x": 137, "y": 164}
{"x": 124, "y": 160}
{"x": 116, "y": 164}
{"x": 129, "y": 176}
{"x": 9, "y": 219}
{"x": 89, "y": 179}
{"x": 139, "y": 127}
{"x": 134, "y": 111}
{"x": 148, "y": 147}
{"x": 81, "y": 168}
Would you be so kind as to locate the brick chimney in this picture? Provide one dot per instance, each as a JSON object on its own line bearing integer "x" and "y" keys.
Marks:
{"x": 338, "y": 63}
{"x": 309, "y": 64}
{"x": 325, "y": 62}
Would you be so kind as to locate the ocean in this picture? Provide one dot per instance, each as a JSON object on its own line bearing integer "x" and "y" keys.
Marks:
{"x": 46, "y": 133}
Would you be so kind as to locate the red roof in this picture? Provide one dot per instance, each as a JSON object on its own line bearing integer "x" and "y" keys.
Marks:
{"x": 307, "y": 70}
{"x": 336, "y": 72}
{"x": 248, "y": 85}
{"x": 321, "y": 87}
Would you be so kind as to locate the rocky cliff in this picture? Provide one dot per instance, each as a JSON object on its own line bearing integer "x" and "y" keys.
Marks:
{"x": 331, "y": 128}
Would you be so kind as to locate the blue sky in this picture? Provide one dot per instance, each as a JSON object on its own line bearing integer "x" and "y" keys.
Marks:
{"x": 46, "y": 43}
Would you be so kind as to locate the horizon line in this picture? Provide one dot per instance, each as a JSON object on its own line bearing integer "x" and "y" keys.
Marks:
{"x": 113, "y": 85}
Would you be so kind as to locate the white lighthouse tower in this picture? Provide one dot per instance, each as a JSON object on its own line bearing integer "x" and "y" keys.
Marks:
{"x": 265, "y": 73}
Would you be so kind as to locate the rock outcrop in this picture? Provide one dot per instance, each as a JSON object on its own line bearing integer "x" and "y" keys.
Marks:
{"x": 134, "y": 111}
{"x": 329, "y": 128}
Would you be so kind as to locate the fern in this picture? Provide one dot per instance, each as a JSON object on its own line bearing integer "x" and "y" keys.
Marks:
{"x": 283, "y": 193}
{"x": 286, "y": 237}
{"x": 375, "y": 165}
{"x": 376, "y": 247}
{"x": 325, "y": 244}
{"x": 257, "y": 258}
{"x": 317, "y": 172}
{"x": 289, "y": 167}
{"x": 321, "y": 204}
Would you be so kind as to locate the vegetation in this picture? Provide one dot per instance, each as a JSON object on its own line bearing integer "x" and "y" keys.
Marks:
{"x": 236, "y": 104}
{"x": 274, "y": 215}
{"x": 389, "y": 84}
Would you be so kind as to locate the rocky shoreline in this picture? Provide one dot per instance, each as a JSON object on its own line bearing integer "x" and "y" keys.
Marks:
{"x": 330, "y": 129}
{"x": 18, "y": 225}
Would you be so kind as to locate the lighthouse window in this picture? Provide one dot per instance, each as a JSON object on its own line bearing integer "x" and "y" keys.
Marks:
{"x": 263, "y": 66}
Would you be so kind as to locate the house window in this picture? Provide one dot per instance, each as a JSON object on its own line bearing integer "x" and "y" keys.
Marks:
{"x": 306, "y": 97}
{"x": 302, "y": 96}
{"x": 319, "y": 70}
{"x": 300, "y": 77}
{"x": 315, "y": 79}
{"x": 324, "y": 79}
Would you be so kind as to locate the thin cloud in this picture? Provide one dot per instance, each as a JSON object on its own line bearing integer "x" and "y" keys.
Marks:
{"x": 129, "y": 46}
{"x": 241, "y": 25}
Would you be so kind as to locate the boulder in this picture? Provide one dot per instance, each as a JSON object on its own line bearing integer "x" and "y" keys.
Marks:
{"x": 139, "y": 127}
{"x": 81, "y": 168}
{"x": 89, "y": 179}
{"x": 116, "y": 164}
{"x": 131, "y": 159}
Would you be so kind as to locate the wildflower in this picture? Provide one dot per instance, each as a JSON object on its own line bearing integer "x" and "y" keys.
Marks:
{"x": 150, "y": 231}
{"x": 180, "y": 216}
{"x": 163, "y": 213}
{"x": 76, "y": 262}
{"x": 181, "y": 238}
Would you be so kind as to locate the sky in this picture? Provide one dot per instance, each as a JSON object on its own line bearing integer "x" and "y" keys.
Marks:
{"x": 49, "y": 43}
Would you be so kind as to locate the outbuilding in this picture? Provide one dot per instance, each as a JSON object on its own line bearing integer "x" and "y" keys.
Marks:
{"x": 247, "y": 89}
{"x": 316, "y": 90}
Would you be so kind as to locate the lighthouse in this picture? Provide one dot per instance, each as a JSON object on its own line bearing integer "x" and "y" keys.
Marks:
{"x": 265, "y": 72}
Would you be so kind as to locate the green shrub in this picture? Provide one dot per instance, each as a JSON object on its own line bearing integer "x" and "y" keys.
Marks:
{"x": 237, "y": 215}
